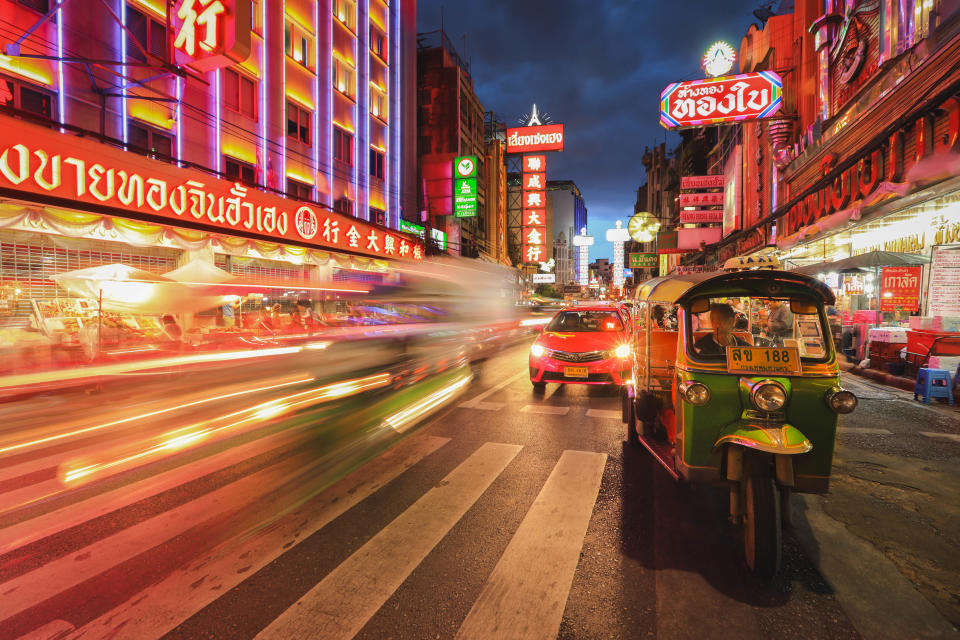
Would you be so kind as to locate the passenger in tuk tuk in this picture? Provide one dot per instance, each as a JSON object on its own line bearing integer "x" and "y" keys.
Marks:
{"x": 722, "y": 336}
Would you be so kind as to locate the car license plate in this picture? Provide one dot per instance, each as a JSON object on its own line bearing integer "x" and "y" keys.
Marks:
{"x": 763, "y": 360}
{"x": 575, "y": 372}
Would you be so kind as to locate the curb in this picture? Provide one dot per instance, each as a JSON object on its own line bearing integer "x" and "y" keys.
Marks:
{"x": 879, "y": 376}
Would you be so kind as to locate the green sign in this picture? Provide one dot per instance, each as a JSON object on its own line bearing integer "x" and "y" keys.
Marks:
{"x": 412, "y": 227}
{"x": 465, "y": 197}
{"x": 644, "y": 260}
{"x": 465, "y": 167}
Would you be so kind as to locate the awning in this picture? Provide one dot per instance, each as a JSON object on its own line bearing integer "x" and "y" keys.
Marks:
{"x": 865, "y": 262}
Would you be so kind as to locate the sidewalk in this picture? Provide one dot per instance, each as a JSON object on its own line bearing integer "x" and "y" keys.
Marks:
{"x": 879, "y": 376}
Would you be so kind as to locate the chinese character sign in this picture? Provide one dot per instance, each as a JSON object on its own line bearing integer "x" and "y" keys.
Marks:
{"x": 618, "y": 236}
{"x": 209, "y": 34}
{"x": 583, "y": 242}
{"x": 534, "y": 214}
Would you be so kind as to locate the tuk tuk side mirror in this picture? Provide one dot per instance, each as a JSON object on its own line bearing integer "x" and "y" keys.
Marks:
{"x": 700, "y": 305}
{"x": 803, "y": 307}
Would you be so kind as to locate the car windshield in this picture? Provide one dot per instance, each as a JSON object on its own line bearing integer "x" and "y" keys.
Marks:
{"x": 578, "y": 321}
{"x": 757, "y": 322}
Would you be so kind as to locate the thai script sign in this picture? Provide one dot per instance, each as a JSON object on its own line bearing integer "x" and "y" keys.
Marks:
{"x": 209, "y": 34}
{"x": 900, "y": 288}
{"x": 465, "y": 186}
{"x": 548, "y": 137}
{"x": 41, "y": 162}
{"x": 696, "y": 103}
{"x": 702, "y": 182}
{"x": 544, "y": 278}
{"x": 644, "y": 261}
{"x": 701, "y": 215}
{"x": 700, "y": 199}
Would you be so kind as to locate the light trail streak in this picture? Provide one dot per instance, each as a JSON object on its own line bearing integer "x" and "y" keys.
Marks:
{"x": 76, "y": 432}
{"x": 532, "y": 322}
{"x": 403, "y": 419}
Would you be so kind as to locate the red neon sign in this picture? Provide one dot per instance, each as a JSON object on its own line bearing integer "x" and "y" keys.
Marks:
{"x": 534, "y": 164}
{"x": 208, "y": 34}
{"x": 548, "y": 137}
{"x": 697, "y": 103}
{"x": 42, "y": 162}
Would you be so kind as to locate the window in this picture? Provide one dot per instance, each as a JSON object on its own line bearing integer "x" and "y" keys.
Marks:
{"x": 586, "y": 321}
{"x": 240, "y": 171}
{"x": 343, "y": 204}
{"x": 240, "y": 93}
{"x": 378, "y": 216}
{"x": 342, "y": 146}
{"x": 40, "y": 6}
{"x": 342, "y": 78}
{"x": 150, "y": 34}
{"x": 376, "y": 104}
{"x": 376, "y": 43}
{"x": 344, "y": 11}
{"x": 299, "y": 190}
{"x": 298, "y": 123}
{"x": 376, "y": 164}
{"x": 146, "y": 139}
{"x": 296, "y": 44}
{"x": 26, "y": 98}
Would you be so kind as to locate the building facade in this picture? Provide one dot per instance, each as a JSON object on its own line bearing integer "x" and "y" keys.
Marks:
{"x": 285, "y": 156}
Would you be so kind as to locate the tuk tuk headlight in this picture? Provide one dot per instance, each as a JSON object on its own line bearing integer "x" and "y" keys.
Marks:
{"x": 696, "y": 393}
{"x": 623, "y": 351}
{"x": 768, "y": 396}
{"x": 537, "y": 350}
{"x": 841, "y": 400}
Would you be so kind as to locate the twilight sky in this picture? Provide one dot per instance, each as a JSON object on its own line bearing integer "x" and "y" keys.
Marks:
{"x": 597, "y": 66}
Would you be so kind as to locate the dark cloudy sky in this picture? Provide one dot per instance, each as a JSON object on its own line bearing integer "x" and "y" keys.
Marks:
{"x": 597, "y": 66}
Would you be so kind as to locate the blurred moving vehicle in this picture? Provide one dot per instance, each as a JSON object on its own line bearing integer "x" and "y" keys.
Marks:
{"x": 735, "y": 382}
{"x": 582, "y": 345}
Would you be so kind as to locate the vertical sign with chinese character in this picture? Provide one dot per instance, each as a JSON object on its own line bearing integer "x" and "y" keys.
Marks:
{"x": 465, "y": 186}
{"x": 534, "y": 230}
{"x": 209, "y": 34}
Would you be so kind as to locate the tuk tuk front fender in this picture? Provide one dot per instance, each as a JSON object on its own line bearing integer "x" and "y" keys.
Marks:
{"x": 771, "y": 437}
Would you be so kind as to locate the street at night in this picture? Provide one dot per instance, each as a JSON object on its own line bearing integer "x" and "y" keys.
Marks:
{"x": 493, "y": 320}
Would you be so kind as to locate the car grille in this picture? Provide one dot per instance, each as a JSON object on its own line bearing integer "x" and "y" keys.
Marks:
{"x": 569, "y": 356}
{"x": 550, "y": 376}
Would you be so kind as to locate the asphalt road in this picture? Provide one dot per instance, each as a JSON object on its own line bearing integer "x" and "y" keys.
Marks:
{"x": 507, "y": 514}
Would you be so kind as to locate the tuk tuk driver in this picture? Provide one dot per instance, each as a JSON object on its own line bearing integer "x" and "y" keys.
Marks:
{"x": 722, "y": 336}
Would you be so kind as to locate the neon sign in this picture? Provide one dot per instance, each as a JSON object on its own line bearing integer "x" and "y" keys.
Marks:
{"x": 548, "y": 137}
{"x": 719, "y": 59}
{"x": 533, "y": 233}
{"x": 209, "y": 34}
{"x": 41, "y": 162}
{"x": 698, "y": 103}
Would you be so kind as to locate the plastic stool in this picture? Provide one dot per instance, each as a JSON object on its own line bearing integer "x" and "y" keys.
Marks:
{"x": 933, "y": 383}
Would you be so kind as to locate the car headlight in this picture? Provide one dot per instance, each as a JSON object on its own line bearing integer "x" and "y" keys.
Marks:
{"x": 768, "y": 396}
{"x": 537, "y": 350}
{"x": 696, "y": 393}
{"x": 623, "y": 351}
{"x": 841, "y": 400}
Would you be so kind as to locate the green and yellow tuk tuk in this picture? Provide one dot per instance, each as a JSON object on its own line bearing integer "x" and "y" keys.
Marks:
{"x": 735, "y": 381}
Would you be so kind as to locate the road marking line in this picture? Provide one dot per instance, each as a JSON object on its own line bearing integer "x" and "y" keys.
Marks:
{"x": 342, "y": 603}
{"x": 944, "y": 436}
{"x": 604, "y": 413}
{"x": 526, "y": 593}
{"x": 88, "y": 562}
{"x": 866, "y": 430}
{"x": 483, "y": 406}
{"x": 158, "y": 610}
{"x": 71, "y": 515}
{"x": 545, "y": 408}
{"x": 492, "y": 390}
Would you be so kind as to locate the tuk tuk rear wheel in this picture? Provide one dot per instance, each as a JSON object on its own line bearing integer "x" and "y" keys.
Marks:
{"x": 761, "y": 526}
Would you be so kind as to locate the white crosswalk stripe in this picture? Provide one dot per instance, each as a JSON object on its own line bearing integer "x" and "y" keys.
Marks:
{"x": 527, "y": 591}
{"x": 351, "y": 594}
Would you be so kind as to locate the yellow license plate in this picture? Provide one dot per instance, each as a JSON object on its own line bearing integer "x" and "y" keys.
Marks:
{"x": 773, "y": 360}
{"x": 575, "y": 372}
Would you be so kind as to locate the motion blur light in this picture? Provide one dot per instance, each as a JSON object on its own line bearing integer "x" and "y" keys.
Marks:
{"x": 768, "y": 396}
{"x": 841, "y": 400}
{"x": 696, "y": 393}
{"x": 537, "y": 350}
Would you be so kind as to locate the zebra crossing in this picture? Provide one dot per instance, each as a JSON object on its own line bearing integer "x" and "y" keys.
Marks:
{"x": 132, "y": 582}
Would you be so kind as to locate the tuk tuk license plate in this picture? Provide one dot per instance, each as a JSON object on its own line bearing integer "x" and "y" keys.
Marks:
{"x": 575, "y": 372}
{"x": 773, "y": 360}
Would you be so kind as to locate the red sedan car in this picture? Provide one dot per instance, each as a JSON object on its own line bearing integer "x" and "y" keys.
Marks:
{"x": 585, "y": 345}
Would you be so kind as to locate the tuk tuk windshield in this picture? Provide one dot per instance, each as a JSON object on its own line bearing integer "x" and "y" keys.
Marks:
{"x": 717, "y": 323}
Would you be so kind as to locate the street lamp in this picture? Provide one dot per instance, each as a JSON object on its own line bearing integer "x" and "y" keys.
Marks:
{"x": 618, "y": 236}
{"x": 583, "y": 241}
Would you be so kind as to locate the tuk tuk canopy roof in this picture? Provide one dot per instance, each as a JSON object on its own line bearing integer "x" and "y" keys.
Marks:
{"x": 681, "y": 288}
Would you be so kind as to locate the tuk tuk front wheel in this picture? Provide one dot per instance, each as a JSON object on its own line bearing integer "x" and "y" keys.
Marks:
{"x": 761, "y": 526}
